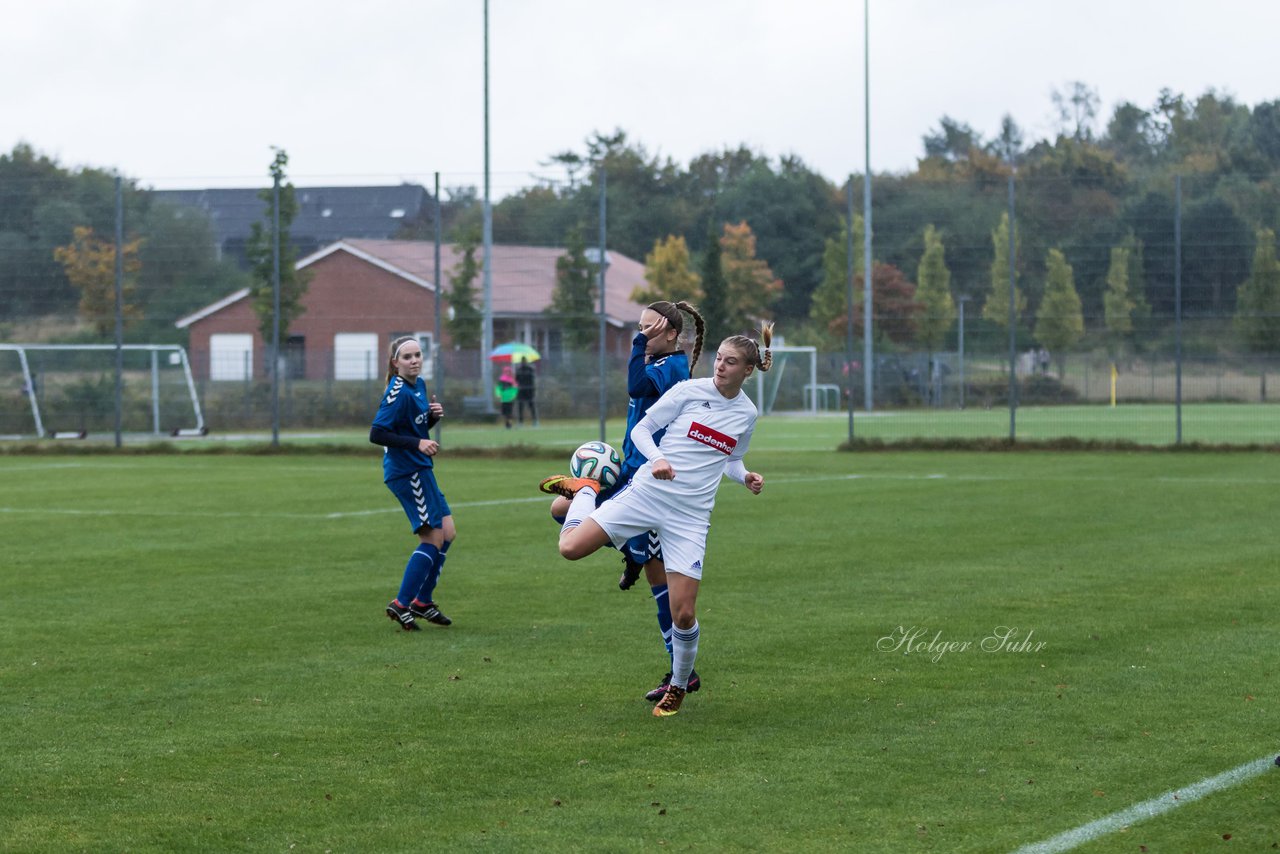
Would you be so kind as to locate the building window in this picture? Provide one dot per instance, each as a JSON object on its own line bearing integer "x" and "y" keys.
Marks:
{"x": 356, "y": 356}
{"x": 295, "y": 357}
{"x": 230, "y": 356}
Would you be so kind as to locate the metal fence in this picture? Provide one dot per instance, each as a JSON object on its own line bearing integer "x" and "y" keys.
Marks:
{"x": 1183, "y": 357}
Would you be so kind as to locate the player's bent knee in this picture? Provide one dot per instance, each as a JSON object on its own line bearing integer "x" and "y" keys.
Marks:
{"x": 570, "y": 549}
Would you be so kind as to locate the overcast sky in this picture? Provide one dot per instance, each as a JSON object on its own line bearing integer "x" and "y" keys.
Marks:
{"x": 191, "y": 93}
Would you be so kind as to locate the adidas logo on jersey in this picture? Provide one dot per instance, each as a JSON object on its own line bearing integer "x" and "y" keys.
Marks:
{"x": 706, "y": 404}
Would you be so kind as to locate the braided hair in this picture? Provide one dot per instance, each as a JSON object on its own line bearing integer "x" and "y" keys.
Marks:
{"x": 671, "y": 311}
{"x": 759, "y": 356}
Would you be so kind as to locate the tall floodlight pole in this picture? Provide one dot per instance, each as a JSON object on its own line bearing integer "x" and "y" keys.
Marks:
{"x": 604, "y": 263}
{"x": 1177, "y": 304}
{"x": 275, "y": 309}
{"x": 1013, "y": 316}
{"x": 119, "y": 312}
{"x": 962, "y": 299}
{"x": 486, "y": 335}
{"x": 848, "y": 335}
{"x": 438, "y": 363}
{"x": 867, "y": 354}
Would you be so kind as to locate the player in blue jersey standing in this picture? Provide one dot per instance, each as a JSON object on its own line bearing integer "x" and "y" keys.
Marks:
{"x": 402, "y": 427}
{"x": 657, "y": 363}
{"x": 708, "y": 423}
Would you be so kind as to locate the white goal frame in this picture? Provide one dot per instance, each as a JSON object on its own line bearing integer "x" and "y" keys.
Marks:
{"x": 767, "y": 393}
{"x": 154, "y": 349}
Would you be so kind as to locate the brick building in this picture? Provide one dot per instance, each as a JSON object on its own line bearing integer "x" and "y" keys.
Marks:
{"x": 363, "y": 293}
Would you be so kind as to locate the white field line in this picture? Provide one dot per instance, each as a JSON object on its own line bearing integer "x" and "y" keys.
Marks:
{"x": 1148, "y": 809}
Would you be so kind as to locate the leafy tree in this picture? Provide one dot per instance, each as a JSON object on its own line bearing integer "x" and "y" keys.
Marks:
{"x": 830, "y": 304}
{"x": 750, "y": 283}
{"x": 1008, "y": 144}
{"x": 1116, "y": 304}
{"x": 1077, "y": 108}
{"x": 714, "y": 307}
{"x": 933, "y": 292}
{"x": 1131, "y": 134}
{"x": 953, "y": 141}
{"x": 996, "y": 307}
{"x": 574, "y": 297}
{"x": 790, "y": 209}
{"x": 90, "y": 265}
{"x": 465, "y": 318}
{"x": 1059, "y": 320}
{"x": 260, "y": 251}
{"x": 894, "y": 309}
{"x": 1215, "y": 256}
{"x": 666, "y": 269}
{"x": 1258, "y": 310}
{"x": 180, "y": 269}
{"x": 1264, "y": 129}
{"x": 1137, "y": 277}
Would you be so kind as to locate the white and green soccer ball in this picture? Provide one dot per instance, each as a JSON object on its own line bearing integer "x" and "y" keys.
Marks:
{"x": 597, "y": 461}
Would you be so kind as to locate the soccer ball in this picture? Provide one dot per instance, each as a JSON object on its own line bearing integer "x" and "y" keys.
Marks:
{"x": 598, "y": 461}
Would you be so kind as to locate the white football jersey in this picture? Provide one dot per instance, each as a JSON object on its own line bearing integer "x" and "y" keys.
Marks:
{"x": 705, "y": 430}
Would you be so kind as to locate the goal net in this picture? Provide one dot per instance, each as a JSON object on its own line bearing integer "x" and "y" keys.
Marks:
{"x": 70, "y": 389}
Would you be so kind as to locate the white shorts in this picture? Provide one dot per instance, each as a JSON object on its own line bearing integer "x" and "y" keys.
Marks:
{"x": 638, "y": 508}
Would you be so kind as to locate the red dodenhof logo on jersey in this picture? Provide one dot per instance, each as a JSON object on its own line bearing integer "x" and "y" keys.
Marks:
{"x": 712, "y": 438}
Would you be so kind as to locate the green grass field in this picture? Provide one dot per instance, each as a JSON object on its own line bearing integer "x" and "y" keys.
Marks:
{"x": 196, "y": 658}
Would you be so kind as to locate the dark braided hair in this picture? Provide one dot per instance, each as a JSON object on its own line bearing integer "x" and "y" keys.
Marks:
{"x": 671, "y": 311}
{"x": 751, "y": 349}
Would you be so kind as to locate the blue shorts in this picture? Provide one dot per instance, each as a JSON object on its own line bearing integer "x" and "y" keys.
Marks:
{"x": 421, "y": 498}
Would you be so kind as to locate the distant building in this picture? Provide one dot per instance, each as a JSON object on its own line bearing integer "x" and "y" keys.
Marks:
{"x": 363, "y": 293}
{"x": 325, "y": 214}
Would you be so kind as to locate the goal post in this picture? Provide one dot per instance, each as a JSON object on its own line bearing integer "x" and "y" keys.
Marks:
{"x": 66, "y": 392}
{"x": 791, "y": 383}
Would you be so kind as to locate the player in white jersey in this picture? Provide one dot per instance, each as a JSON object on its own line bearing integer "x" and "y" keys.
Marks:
{"x": 708, "y": 424}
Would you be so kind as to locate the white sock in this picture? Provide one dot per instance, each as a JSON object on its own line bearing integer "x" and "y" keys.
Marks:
{"x": 580, "y": 508}
{"x": 684, "y": 649}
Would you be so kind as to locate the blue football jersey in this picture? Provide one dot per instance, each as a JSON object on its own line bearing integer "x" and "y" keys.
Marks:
{"x": 646, "y": 382}
{"x": 406, "y": 410}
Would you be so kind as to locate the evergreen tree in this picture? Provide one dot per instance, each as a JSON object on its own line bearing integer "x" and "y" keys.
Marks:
{"x": 666, "y": 269}
{"x": 1117, "y": 307}
{"x": 1060, "y": 319}
{"x": 574, "y": 296}
{"x": 465, "y": 318}
{"x": 1137, "y": 279}
{"x": 260, "y": 251}
{"x": 714, "y": 307}
{"x": 996, "y": 307}
{"x": 830, "y": 303}
{"x": 933, "y": 292}
{"x": 1258, "y": 308}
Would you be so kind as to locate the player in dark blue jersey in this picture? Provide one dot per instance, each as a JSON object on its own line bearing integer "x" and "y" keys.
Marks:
{"x": 657, "y": 363}
{"x": 402, "y": 427}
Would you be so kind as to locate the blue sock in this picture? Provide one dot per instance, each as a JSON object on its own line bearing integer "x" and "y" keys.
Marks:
{"x": 428, "y": 588}
{"x": 416, "y": 571}
{"x": 664, "y": 614}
